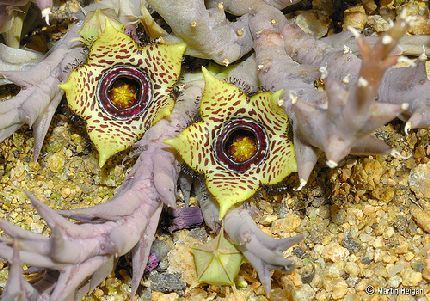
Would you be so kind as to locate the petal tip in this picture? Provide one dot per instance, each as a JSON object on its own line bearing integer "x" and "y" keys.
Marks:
{"x": 208, "y": 76}
{"x": 222, "y": 211}
{"x": 206, "y": 73}
{"x": 180, "y": 48}
{"x": 171, "y": 142}
{"x": 109, "y": 26}
{"x": 102, "y": 160}
{"x": 65, "y": 86}
{"x": 277, "y": 95}
{"x": 106, "y": 148}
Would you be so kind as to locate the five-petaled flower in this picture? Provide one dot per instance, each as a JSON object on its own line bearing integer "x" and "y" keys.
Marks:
{"x": 240, "y": 143}
{"x": 123, "y": 89}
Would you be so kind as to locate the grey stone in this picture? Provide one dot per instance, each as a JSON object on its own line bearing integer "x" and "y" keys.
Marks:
{"x": 167, "y": 283}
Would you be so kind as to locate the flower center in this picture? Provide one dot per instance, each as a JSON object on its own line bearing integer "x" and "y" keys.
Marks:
{"x": 124, "y": 92}
{"x": 243, "y": 147}
{"x": 241, "y": 144}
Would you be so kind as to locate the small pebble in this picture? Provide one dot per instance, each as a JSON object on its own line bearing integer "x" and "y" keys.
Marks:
{"x": 307, "y": 273}
{"x": 378, "y": 23}
{"x": 161, "y": 247}
{"x": 349, "y": 243}
{"x": 409, "y": 256}
{"x": 352, "y": 269}
{"x": 401, "y": 249}
{"x": 422, "y": 218}
{"x": 393, "y": 269}
{"x": 56, "y": 162}
{"x": 410, "y": 277}
{"x": 167, "y": 283}
{"x": 339, "y": 290}
{"x": 268, "y": 219}
{"x": 419, "y": 180}
{"x": 394, "y": 281}
{"x": 322, "y": 296}
{"x": 335, "y": 252}
{"x": 286, "y": 225}
{"x": 157, "y": 296}
{"x": 305, "y": 293}
{"x": 426, "y": 271}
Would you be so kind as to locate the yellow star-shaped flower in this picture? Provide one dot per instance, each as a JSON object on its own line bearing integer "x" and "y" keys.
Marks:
{"x": 241, "y": 142}
{"x": 123, "y": 89}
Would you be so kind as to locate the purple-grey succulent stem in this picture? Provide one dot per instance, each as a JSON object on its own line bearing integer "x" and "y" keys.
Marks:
{"x": 242, "y": 7}
{"x": 399, "y": 85}
{"x": 207, "y": 32}
{"x": 261, "y": 250}
{"x": 184, "y": 218}
{"x": 40, "y": 95}
{"x": 42, "y": 4}
{"x": 338, "y": 121}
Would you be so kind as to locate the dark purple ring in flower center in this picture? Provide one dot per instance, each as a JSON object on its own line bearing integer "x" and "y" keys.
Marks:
{"x": 245, "y": 128}
{"x": 139, "y": 83}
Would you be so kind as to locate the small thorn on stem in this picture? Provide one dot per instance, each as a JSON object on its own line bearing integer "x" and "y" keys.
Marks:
{"x": 293, "y": 97}
{"x": 386, "y": 40}
{"x": 303, "y": 183}
{"x": 240, "y": 32}
{"x": 362, "y": 82}
{"x": 345, "y": 80}
{"x": 354, "y": 31}
{"x": 331, "y": 163}
{"x": 423, "y": 56}
{"x": 408, "y": 127}
{"x": 45, "y": 14}
{"x": 323, "y": 72}
{"x": 346, "y": 49}
{"x": 406, "y": 60}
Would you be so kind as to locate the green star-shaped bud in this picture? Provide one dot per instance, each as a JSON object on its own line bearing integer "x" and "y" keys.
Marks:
{"x": 217, "y": 262}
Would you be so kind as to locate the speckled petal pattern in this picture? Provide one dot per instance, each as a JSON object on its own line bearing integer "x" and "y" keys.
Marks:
{"x": 223, "y": 104}
{"x": 280, "y": 161}
{"x": 194, "y": 136}
{"x": 160, "y": 63}
{"x": 220, "y": 101}
{"x": 229, "y": 188}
